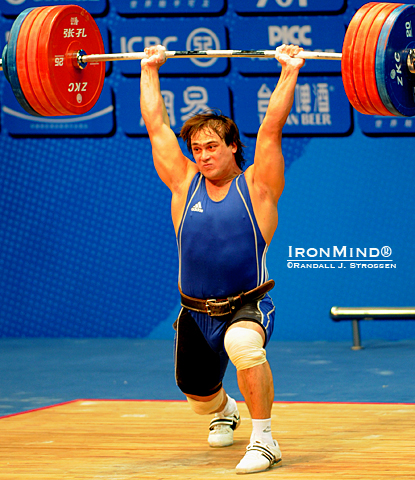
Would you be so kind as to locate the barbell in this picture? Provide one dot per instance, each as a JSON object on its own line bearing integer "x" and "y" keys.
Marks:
{"x": 49, "y": 63}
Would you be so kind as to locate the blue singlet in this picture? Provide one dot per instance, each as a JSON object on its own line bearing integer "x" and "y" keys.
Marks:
{"x": 221, "y": 249}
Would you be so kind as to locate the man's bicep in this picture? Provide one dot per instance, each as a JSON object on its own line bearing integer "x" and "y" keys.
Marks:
{"x": 169, "y": 161}
{"x": 268, "y": 168}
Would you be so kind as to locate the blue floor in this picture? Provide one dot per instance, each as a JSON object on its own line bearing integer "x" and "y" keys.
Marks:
{"x": 40, "y": 372}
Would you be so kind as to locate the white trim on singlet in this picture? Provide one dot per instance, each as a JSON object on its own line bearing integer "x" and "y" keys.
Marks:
{"x": 259, "y": 280}
{"x": 179, "y": 239}
{"x": 264, "y": 269}
{"x": 260, "y": 311}
{"x": 268, "y": 315}
{"x": 258, "y": 303}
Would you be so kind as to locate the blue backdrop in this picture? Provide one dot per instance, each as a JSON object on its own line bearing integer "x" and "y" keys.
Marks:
{"x": 87, "y": 247}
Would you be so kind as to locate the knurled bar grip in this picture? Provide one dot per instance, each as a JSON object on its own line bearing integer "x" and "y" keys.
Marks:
{"x": 206, "y": 53}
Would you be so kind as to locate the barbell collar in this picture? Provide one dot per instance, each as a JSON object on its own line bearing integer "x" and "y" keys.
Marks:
{"x": 205, "y": 54}
{"x": 410, "y": 61}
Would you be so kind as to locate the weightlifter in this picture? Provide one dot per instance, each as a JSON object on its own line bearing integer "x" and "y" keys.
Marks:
{"x": 224, "y": 221}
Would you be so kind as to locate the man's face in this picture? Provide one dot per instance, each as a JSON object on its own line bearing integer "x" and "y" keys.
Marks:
{"x": 213, "y": 157}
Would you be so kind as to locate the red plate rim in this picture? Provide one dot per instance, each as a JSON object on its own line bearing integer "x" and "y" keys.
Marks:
{"x": 33, "y": 61}
{"x": 359, "y": 57}
{"x": 370, "y": 55}
{"x": 347, "y": 56}
{"x": 21, "y": 62}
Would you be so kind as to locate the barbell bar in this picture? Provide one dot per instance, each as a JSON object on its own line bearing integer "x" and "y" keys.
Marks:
{"x": 48, "y": 62}
{"x": 206, "y": 54}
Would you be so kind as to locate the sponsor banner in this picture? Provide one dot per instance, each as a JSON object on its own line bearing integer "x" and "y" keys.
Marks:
{"x": 284, "y": 6}
{"x": 133, "y": 35}
{"x": 182, "y": 97}
{"x": 320, "y": 106}
{"x": 379, "y": 125}
{"x": 14, "y": 7}
{"x": 169, "y": 7}
{"x": 98, "y": 121}
{"x": 324, "y": 34}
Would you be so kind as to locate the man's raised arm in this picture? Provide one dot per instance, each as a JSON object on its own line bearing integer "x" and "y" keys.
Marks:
{"x": 268, "y": 168}
{"x": 169, "y": 161}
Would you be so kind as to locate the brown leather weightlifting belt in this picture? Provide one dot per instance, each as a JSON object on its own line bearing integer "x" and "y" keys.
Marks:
{"x": 217, "y": 308}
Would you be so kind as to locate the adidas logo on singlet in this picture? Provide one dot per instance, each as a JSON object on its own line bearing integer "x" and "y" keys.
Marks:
{"x": 197, "y": 207}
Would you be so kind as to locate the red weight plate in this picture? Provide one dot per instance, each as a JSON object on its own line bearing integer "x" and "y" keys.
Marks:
{"x": 21, "y": 62}
{"x": 347, "y": 56}
{"x": 43, "y": 30}
{"x": 32, "y": 58}
{"x": 370, "y": 59}
{"x": 69, "y": 87}
{"x": 359, "y": 58}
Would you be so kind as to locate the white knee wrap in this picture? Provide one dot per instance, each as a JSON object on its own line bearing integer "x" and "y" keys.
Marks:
{"x": 244, "y": 347}
{"x": 205, "y": 408}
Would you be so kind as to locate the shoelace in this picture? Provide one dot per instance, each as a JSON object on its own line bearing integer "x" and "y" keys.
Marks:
{"x": 257, "y": 448}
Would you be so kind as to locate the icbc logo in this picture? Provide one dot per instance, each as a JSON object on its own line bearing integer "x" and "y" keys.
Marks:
{"x": 203, "y": 39}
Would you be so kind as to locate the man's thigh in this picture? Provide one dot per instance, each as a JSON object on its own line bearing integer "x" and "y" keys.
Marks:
{"x": 199, "y": 369}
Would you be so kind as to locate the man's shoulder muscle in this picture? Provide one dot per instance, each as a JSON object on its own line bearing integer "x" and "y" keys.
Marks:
{"x": 263, "y": 204}
{"x": 179, "y": 195}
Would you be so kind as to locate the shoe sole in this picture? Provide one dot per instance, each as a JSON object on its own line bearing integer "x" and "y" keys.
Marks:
{"x": 222, "y": 445}
{"x": 278, "y": 463}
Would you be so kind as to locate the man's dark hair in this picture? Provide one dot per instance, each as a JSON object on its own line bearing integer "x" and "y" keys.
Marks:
{"x": 223, "y": 126}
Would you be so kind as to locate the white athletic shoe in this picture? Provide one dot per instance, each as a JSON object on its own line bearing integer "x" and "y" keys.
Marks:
{"x": 259, "y": 457}
{"x": 221, "y": 429}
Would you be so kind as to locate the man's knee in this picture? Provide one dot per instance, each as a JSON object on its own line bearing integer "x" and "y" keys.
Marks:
{"x": 211, "y": 406}
{"x": 244, "y": 347}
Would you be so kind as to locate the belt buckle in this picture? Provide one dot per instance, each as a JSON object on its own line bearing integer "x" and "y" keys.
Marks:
{"x": 208, "y": 304}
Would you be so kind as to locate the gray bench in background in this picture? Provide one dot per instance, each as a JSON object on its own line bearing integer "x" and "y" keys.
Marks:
{"x": 356, "y": 314}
